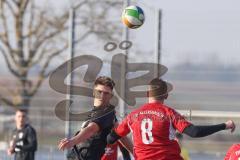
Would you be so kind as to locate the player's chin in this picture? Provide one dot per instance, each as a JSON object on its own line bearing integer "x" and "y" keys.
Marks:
{"x": 100, "y": 102}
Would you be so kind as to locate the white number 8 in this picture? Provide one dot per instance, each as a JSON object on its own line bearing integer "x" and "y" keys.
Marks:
{"x": 146, "y": 131}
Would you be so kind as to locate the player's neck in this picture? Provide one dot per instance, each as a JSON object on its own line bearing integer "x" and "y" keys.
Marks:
{"x": 152, "y": 100}
{"x": 101, "y": 105}
{"x": 20, "y": 126}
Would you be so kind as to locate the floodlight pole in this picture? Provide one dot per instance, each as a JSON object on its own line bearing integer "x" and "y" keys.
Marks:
{"x": 158, "y": 15}
{"x": 70, "y": 78}
{"x": 122, "y": 105}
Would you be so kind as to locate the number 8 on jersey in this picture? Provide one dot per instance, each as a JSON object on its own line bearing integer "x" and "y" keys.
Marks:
{"x": 146, "y": 129}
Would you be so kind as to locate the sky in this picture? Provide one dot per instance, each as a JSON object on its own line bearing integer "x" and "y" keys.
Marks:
{"x": 199, "y": 31}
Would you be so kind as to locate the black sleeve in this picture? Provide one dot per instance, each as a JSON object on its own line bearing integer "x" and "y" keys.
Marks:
{"x": 112, "y": 137}
{"x": 31, "y": 139}
{"x": 202, "y": 131}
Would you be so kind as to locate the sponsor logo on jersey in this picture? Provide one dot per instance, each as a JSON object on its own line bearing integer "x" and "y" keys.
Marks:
{"x": 20, "y": 135}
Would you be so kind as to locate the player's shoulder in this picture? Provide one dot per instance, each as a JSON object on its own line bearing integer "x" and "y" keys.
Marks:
{"x": 235, "y": 146}
{"x": 169, "y": 108}
{"x": 30, "y": 128}
{"x": 103, "y": 112}
{"x": 158, "y": 106}
{"x": 170, "y": 111}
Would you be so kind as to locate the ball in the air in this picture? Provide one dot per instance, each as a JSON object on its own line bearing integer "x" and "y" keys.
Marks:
{"x": 133, "y": 17}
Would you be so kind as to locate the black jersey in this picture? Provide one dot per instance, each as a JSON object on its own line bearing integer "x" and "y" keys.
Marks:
{"x": 26, "y": 143}
{"x": 94, "y": 147}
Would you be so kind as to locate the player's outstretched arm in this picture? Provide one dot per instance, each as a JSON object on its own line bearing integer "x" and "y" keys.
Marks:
{"x": 202, "y": 131}
{"x": 85, "y": 133}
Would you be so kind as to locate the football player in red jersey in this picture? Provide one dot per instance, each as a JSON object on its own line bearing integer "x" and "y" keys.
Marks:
{"x": 153, "y": 126}
{"x": 233, "y": 152}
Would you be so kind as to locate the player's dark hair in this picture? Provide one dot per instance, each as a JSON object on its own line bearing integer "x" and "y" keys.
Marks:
{"x": 158, "y": 89}
{"x": 22, "y": 110}
{"x": 104, "y": 80}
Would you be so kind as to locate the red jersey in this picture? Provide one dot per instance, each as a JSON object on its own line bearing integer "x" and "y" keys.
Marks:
{"x": 153, "y": 128}
{"x": 233, "y": 153}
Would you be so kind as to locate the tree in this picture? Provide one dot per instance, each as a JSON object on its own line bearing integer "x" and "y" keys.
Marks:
{"x": 32, "y": 36}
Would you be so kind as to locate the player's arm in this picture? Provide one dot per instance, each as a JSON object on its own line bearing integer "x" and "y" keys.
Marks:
{"x": 125, "y": 152}
{"x": 12, "y": 144}
{"x": 126, "y": 143}
{"x": 120, "y": 131}
{"x": 202, "y": 131}
{"x": 85, "y": 133}
{"x": 112, "y": 137}
{"x": 10, "y": 150}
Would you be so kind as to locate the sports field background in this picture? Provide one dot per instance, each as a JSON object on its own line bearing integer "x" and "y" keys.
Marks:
{"x": 208, "y": 94}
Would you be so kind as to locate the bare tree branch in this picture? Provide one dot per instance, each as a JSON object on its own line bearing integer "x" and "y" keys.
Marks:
{"x": 38, "y": 35}
{"x": 7, "y": 101}
{"x": 83, "y": 36}
{"x": 5, "y": 27}
{"x": 39, "y": 42}
{"x": 24, "y": 6}
{"x": 35, "y": 31}
{"x": 15, "y": 2}
{"x": 42, "y": 75}
{"x": 50, "y": 58}
{"x": 8, "y": 63}
{"x": 78, "y": 6}
{"x": 10, "y": 7}
{"x": 30, "y": 25}
{"x": 40, "y": 54}
{"x": 4, "y": 38}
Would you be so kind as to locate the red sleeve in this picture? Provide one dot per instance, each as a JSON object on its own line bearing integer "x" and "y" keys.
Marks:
{"x": 178, "y": 121}
{"x": 123, "y": 128}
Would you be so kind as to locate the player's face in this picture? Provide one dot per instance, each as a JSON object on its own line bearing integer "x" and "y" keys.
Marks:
{"x": 20, "y": 119}
{"x": 102, "y": 95}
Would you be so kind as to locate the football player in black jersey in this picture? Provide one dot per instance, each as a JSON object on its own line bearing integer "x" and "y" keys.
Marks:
{"x": 91, "y": 139}
{"x": 24, "y": 138}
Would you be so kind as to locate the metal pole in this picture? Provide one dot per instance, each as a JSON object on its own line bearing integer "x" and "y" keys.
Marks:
{"x": 122, "y": 105}
{"x": 158, "y": 41}
{"x": 69, "y": 69}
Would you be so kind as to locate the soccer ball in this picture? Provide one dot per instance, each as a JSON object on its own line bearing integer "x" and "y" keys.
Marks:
{"x": 133, "y": 17}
